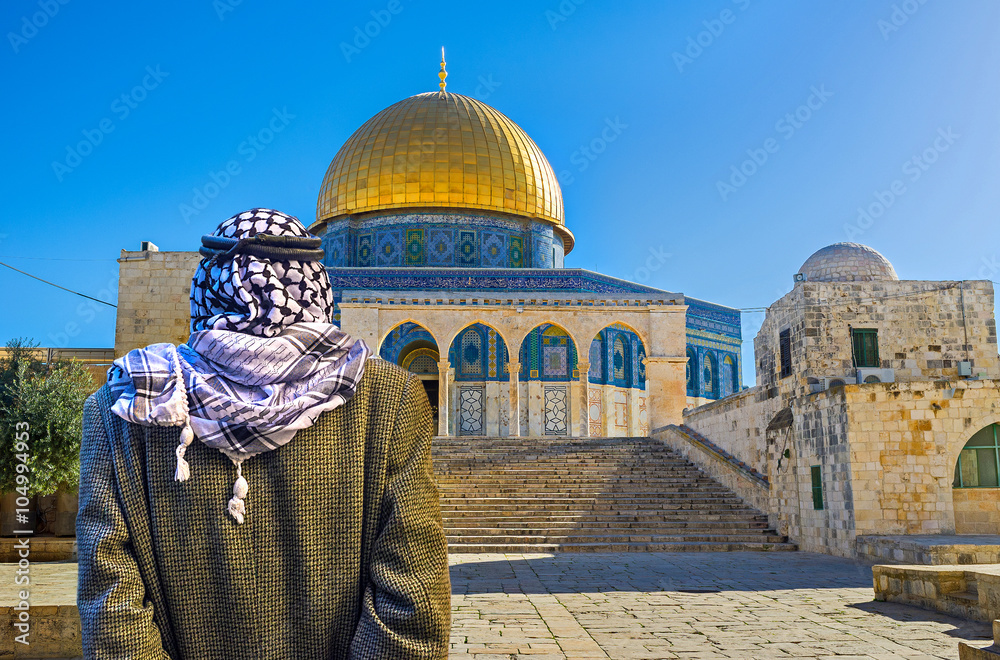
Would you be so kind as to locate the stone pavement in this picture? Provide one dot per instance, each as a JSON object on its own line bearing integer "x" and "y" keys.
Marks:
{"x": 657, "y": 605}
{"x": 686, "y": 605}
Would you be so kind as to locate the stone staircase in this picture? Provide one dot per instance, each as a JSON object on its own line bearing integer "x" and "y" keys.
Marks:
{"x": 587, "y": 495}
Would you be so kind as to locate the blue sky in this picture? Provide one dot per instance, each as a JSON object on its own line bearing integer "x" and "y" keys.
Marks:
{"x": 834, "y": 100}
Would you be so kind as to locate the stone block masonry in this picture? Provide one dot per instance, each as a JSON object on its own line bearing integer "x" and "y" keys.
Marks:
{"x": 153, "y": 298}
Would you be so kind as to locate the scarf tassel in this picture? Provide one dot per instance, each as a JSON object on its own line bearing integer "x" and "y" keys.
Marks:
{"x": 237, "y": 507}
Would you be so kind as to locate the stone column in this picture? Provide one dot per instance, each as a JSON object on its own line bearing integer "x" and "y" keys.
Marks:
{"x": 536, "y": 409}
{"x": 444, "y": 371}
{"x": 665, "y": 385}
{"x": 491, "y": 409}
{"x": 514, "y": 423}
{"x": 632, "y": 410}
{"x": 584, "y": 369}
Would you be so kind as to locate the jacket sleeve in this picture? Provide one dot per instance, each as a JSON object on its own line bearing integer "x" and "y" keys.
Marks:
{"x": 116, "y": 621}
{"x": 406, "y": 607}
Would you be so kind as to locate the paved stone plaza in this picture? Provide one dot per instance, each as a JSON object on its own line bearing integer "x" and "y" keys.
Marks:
{"x": 768, "y": 605}
{"x": 638, "y": 605}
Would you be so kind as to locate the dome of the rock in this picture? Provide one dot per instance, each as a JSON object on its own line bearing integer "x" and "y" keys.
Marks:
{"x": 441, "y": 151}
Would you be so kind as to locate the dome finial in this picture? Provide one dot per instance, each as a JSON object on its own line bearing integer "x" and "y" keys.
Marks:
{"x": 442, "y": 74}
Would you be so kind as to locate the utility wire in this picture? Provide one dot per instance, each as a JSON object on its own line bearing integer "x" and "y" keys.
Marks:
{"x": 59, "y": 287}
{"x": 14, "y": 256}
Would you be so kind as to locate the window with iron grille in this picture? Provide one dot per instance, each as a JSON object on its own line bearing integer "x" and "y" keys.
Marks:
{"x": 865, "y": 347}
{"x": 785, "y": 344}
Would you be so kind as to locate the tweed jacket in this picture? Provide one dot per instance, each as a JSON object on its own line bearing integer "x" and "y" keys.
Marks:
{"x": 342, "y": 554}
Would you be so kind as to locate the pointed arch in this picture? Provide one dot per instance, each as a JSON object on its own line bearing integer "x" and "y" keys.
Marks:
{"x": 403, "y": 339}
{"x": 730, "y": 376}
{"x": 478, "y": 352}
{"x": 618, "y": 351}
{"x": 548, "y": 352}
{"x": 710, "y": 376}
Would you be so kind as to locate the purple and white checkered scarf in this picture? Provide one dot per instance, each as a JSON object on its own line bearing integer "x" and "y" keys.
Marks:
{"x": 263, "y": 360}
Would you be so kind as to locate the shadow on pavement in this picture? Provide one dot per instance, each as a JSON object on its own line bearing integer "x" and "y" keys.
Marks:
{"x": 653, "y": 572}
{"x": 961, "y": 628}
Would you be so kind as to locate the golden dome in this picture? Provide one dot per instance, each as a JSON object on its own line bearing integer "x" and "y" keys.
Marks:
{"x": 442, "y": 150}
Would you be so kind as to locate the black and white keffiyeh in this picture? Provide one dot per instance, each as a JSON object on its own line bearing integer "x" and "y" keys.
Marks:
{"x": 262, "y": 362}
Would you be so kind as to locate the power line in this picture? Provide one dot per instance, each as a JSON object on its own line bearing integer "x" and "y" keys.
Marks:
{"x": 14, "y": 256}
{"x": 59, "y": 287}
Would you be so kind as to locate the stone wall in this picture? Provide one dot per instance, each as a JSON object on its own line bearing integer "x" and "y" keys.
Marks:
{"x": 886, "y": 452}
{"x": 977, "y": 510}
{"x": 154, "y": 291}
{"x": 737, "y": 423}
{"x": 905, "y": 441}
{"x": 818, "y": 437}
{"x": 924, "y": 330}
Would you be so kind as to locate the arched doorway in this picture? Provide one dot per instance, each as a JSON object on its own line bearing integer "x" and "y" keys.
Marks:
{"x": 617, "y": 383}
{"x": 412, "y": 347}
{"x": 478, "y": 355}
{"x": 976, "y": 488}
{"x": 548, "y": 368}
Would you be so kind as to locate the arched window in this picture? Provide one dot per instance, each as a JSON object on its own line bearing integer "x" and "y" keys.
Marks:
{"x": 709, "y": 375}
{"x": 596, "y": 374}
{"x": 729, "y": 373}
{"x": 621, "y": 361}
{"x": 548, "y": 353}
{"x": 470, "y": 353}
{"x": 690, "y": 371}
{"x": 979, "y": 462}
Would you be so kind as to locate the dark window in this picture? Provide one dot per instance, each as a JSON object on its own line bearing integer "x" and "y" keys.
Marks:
{"x": 785, "y": 344}
{"x": 865, "y": 348}
{"x": 817, "y": 487}
{"x": 979, "y": 463}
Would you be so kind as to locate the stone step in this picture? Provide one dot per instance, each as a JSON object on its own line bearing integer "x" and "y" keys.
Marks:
{"x": 619, "y": 526}
{"x": 506, "y": 507}
{"x": 619, "y": 547}
{"x": 614, "y": 538}
{"x": 580, "y": 488}
{"x": 588, "y": 495}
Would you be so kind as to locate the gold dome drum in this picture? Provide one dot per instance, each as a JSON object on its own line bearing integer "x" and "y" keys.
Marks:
{"x": 440, "y": 150}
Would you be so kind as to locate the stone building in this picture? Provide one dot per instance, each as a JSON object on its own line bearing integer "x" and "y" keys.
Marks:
{"x": 876, "y": 410}
{"x": 445, "y": 237}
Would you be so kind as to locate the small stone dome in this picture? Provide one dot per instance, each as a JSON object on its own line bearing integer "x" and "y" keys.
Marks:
{"x": 847, "y": 262}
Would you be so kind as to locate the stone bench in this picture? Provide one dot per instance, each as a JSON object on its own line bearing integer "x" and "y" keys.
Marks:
{"x": 54, "y": 621}
{"x": 969, "y": 592}
{"x": 966, "y": 652}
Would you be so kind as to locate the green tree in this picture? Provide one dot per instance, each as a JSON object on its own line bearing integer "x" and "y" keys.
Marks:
{"x": 49, "y": 398}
